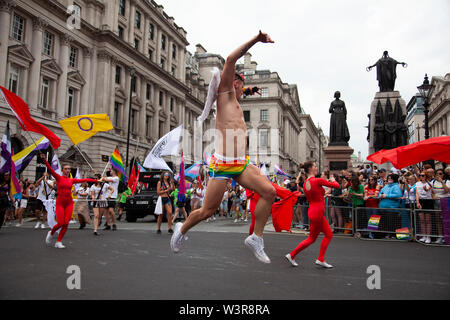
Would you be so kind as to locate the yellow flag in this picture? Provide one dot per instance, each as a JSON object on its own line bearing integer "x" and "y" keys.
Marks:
{"x": 83, "y": 127}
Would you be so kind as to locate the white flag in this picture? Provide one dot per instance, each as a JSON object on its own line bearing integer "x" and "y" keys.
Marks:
{"x": 77, "y": 176}
{"x": 166, "y": 146}
{"x": 56, "y": 165}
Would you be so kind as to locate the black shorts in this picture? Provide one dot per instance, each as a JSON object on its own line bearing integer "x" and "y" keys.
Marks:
{"x": 112, "y": 203}
{"x": 122, "y": 205}
{"x": 427, "y": 204}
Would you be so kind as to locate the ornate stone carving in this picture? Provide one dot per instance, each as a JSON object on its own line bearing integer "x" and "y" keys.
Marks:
{"x": 39, "y": 24}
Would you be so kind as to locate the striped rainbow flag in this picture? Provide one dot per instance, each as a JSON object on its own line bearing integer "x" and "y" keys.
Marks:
{"x": 117, "y": 163}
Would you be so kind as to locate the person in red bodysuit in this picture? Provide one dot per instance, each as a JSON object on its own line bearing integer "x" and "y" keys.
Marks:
{"x": 64, "y": 201}
{"x": 314, "y": 191}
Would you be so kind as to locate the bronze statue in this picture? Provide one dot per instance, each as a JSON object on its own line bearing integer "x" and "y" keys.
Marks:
{"x": 386, "y": 72}
{"x": 339, "y": 134}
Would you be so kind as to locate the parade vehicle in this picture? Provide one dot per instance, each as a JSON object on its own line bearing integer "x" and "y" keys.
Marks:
{"x": 143, "y": 203}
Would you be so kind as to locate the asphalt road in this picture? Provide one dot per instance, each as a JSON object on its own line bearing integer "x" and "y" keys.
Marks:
{"x": 136, "y": 263}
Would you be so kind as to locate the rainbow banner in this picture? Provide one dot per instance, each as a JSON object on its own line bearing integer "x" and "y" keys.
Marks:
{"x": 373, "y": 223}
{"x": 402, "y": 234}
{"x": 117, "y": 163}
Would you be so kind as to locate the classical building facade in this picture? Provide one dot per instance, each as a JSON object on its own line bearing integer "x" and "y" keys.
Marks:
{"x": 439, "y": 115}
{"x": 62, "y": 71}
{"x": 415, "y": 119}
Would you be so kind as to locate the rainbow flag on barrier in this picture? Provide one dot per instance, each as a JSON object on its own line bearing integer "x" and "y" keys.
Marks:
{"x": 402, "y": 234}
{"x": 373, "y": 223}
{"x": 116, "y": 163}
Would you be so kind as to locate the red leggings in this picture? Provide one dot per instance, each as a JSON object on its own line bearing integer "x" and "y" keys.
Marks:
{"x": 64, "y": 210}
{"x": 318, "y": 224}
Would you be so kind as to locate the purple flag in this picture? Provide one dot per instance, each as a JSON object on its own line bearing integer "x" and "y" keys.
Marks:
{"x": 182, "y": 183}
{"x": 5, "y": 151}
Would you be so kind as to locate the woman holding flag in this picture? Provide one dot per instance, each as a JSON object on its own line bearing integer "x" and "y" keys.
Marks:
{"x": 164, "y": 188}
{"x": 64, "y": 201}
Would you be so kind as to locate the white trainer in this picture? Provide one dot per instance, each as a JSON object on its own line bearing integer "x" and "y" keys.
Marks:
{"x": 428, "y": 240}
{"x": 256, "y": 244}
{"x": 37, "y": 225}
{"x": 43, "y": 226}
{"x": 48, "y": 239}
{"x": 324, "y": 264}
{"x": 59, "y": 245}
{"x": 292, "y": 261}
{"x": 177, "y": 238}
{"x": 439, "y": 240}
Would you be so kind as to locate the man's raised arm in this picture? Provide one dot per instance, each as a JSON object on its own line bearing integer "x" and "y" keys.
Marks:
{"x": 227, "y": 78}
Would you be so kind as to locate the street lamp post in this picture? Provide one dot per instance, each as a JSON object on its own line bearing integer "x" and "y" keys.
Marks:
{"x": 425, "y": 91}
{"x": 132, "y": 83}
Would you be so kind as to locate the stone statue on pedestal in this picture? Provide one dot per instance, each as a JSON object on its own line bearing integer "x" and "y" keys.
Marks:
{"x": 386, "y": 72}
{"x": 339, "y": 134}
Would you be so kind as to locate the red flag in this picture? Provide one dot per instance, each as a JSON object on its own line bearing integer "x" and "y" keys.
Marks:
{"x": 132, "y": 177}
{"x": 136, "y": 181}
{"x": 22, "y": 113}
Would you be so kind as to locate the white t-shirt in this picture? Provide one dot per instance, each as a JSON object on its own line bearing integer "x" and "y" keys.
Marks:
{"x": 438, "y": 189}
{"x": 82, "y": 190}
{"x": 115, "y": 185}
{"x": 225, "y": 196}
{"x": 420, "y": 189}
{"x": 41, "y": 189}
{"x": 96, "y": 190}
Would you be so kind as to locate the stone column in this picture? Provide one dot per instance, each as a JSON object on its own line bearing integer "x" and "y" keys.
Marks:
{"x": 85, "y": 91}
{"x": 35, "y": 69}
{"x": 155, "y": 127}
{"x": 103, "y": 78}
{"x": 158, "y": 46}
{"x": 126, "y": 107}
{"x": 5, "y": 22}
{"x": 146, "y": 34}
{"x": 61, "y": 95}
{"x": 143, "y": 111}
{"x": 131, "y": 22}
{"x": 169, "y": 55}
{"x": 112, "y": 88}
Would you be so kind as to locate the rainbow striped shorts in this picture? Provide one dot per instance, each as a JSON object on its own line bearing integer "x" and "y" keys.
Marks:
{"x": 223, "y": 168}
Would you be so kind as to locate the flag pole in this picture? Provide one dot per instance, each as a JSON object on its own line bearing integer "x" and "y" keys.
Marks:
{"x": 106, "y": 167}
{"x": 134, "y": 158}
{"x": 84, "y": 157}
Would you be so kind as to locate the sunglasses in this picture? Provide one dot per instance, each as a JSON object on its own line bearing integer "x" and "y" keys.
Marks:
{"x": 422, "y": 175}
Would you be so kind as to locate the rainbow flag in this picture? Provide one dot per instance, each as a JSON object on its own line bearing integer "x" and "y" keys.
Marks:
{"x": 402, "y": 234}
{"x": 373, "y": 223}
{"x": 116, "y": 163}
{"x": 15, "y": 185}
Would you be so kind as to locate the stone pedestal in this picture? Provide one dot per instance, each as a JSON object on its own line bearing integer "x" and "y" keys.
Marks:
{"x": 338, "y": 158}
{"x": 382, "y": 97}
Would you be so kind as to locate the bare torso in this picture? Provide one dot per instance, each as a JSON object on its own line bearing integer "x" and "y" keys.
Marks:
{"x": 232, "y": 131}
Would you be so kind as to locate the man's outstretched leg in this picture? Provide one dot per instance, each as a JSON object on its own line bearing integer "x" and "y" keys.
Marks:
{"x": 252, "y": 179}
{"x": 213, "y": 198}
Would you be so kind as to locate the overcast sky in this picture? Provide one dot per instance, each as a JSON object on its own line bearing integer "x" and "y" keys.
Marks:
{"x": 325, "y": 46}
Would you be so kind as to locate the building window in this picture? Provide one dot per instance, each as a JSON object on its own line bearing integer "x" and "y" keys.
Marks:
{"x": 171, "y": 104}
{"x": 136, "y": 43}
{"x": 138, "y": 20}
{"x": 150, "y": 54}
{"x": 163, "y": 42}
{"x": 133, "y": 84}
{"x": 73, "y": 60}
{"x": 263, "y": 138}
{"x": 120, "y": 32}
{"x": 14, "y": 79}
{"x": 173, "y": 71}
{"x": 160, "y": 98}
{"x": 311, "y": 154}
{"x": 147, "y": 92}
{"x": 151, "y": 33}
{"x": 118, "y": 72}
{"x": 18, "y": 29}
{"x": 264, "y": 115}
{"x": 148, "y": 122}
{"x": 48, "y": 43}
{"x": 161, "y": 129}
{"x": 45, "y": 93}
{"x": 122, "y": 7}
{"x": 247, "y": 115}
{"x": 163, "y": 63}
{"x": 264, "y": 92}
{"x": 133, "y": 119}
{"x": 70, "y": 101}
{"x": 117, "y": 107}
{"x": 174, "y": 51}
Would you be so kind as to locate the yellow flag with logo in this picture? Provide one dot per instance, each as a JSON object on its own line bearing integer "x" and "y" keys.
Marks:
{"x": 83, "y": 127}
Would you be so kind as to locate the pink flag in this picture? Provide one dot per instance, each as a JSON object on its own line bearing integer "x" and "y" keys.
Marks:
{"x": 182, "y": 182}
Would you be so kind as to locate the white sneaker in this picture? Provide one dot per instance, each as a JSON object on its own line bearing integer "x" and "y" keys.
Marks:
{"x": 324, "y": 264}
{"x": 428, "y": 240}
{"x": 235, "y": 220}
{"x": 19, "y": 224}
{"x": 439, "y": 240}
{"x": 59, "y": 245}
{"x": 43, "y": 226}
{"x": 177, "y": 238}
{"x": 245, "y": 220}
{"x": 256, "y": 244}
{"x": 207, "y": 220}
{"x": 48, "y": 239}
{"x": 292, "y": 261}
{"x": 37, "y": 225}
{"x": 422, "y": 239}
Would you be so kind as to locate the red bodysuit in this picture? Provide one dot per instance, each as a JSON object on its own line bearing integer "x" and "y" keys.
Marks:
{"x": 315, "y": 197}
{"x": 64, "y": 201}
